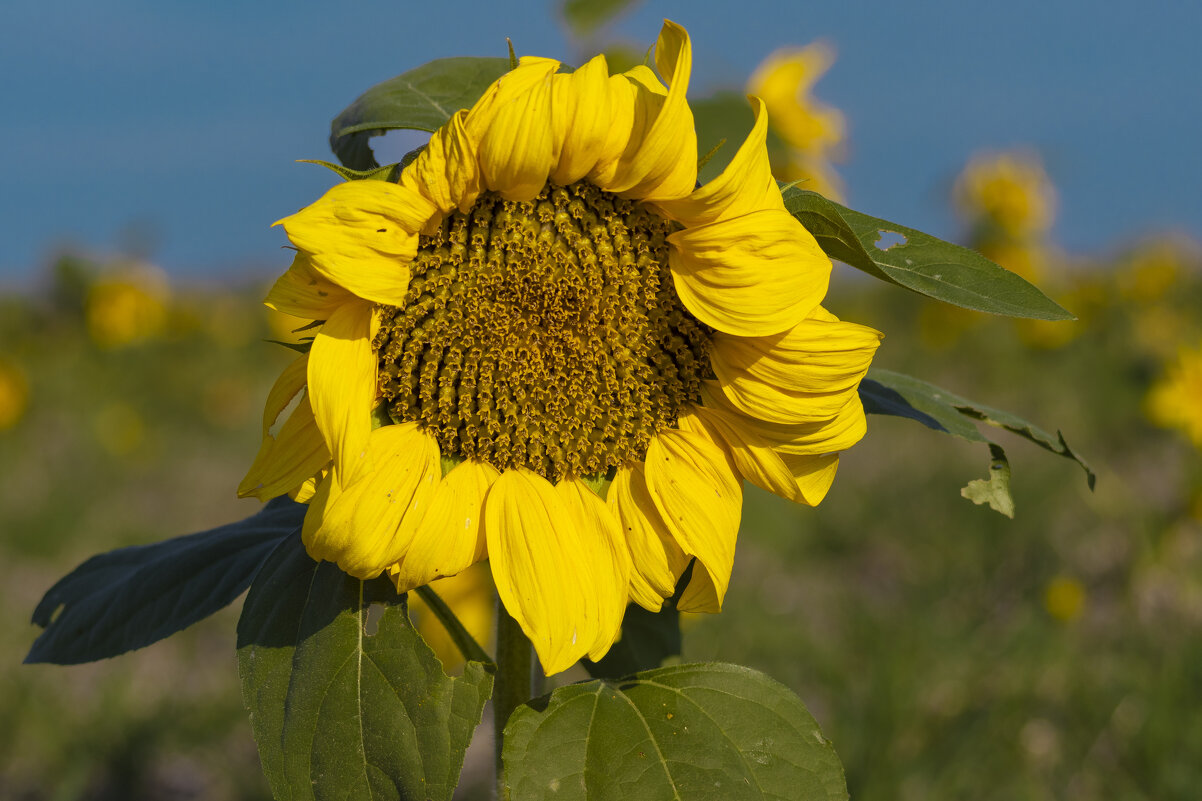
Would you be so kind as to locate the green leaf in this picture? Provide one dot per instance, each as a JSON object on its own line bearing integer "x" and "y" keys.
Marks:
{"x": 920, "y": 262}
{"x": 886, "y": 392}
{"x": 129, "y": 598}
{"x": 697, "y": 732}
{"x": 422, "y": 99}
{"x": 584, "y": 17}
{"x": 344, "y": 706}
{"x": 994, "y": 490}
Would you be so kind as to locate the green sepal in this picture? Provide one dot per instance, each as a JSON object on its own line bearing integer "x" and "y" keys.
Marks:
{"x": 921, "y": 263}
{"x": 421, "y": 99}
{"x": 299, "y": 347}
{"x": 701, "y": 732}
{"x": 389, "y": 172}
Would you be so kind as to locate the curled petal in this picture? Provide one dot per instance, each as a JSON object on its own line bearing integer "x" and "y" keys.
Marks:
{"x": 754, "y": 275}
{"x": 449, "y": 538}
{"x": 342, "y": 384}
{"x": 844, "y": 429}
{"x": 511, "y": 126}
{"x": 582, "y": 119}
{"x": 746, "y": 185}
{"x": 700, "y": 499}
{"x": 368, "y": 525}
{"x": 752, "y": 456}
{"x": 446, "y": 172}
{"x": 287, "y": 460}
{"x": 302, "y": 292}
{"x": 362, "y": 235}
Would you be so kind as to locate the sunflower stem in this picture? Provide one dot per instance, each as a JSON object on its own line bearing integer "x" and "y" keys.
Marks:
{"x": 513, "y": 685}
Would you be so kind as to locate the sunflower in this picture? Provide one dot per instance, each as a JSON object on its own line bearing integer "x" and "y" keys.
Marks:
{"x": 545, "y": 346}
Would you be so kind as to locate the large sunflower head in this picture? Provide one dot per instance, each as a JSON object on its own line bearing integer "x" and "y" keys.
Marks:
{"x": 545, "y": 346}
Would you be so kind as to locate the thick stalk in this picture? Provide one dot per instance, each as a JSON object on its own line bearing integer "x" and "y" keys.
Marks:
{"x": 514, "y": 681}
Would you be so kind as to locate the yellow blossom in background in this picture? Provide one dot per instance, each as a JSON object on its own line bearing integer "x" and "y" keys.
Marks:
{"x": 471, "y": 596}
{"x": 1064, "y": 598}
{"x": 545, "y": 346}
{"x": 127, "y": 305}
{"x": 14, "y": 393}
{"x": 1175, "y": 401}
{"x": 1006, "y": 195}
{"x": 812, "y": 132}
{"x": 1156, "y": 266}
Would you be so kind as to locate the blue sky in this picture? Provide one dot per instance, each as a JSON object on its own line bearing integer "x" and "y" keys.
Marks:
{"x": 178, "y": 124}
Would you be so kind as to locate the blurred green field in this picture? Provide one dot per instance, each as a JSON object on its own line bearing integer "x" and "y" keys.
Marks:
{"x": 947, "y": 651}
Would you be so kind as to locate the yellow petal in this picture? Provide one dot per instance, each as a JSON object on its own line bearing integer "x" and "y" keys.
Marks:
{"x": 284, "y": 390}
{"x": 840, "y": 432}
{"x": 622, "y": 107}
{"x": 753, "y": 275}
{"x": 307, "y": 489}
{"x": 342, "y": 384}
{"x": 302, "y": 292}
{"x": 582, "y": 118}
{"x": 699, "y": 498}
{"x": 813, "y": 474}
{"x": 511, "y": 126}
{"x": 446, "y": 171}
{"x": 293, "y": 456}
{"x": 753, "y": 457}
{"x": 606, "y": 554}
{"x": 368, "y": 526}
{"x": 657, "y": 561}
{"x": 449, "y": 538}
{"x": 660, "y": 161}
{"x": 362, "y": 235}
{"x": 816, "y": 355}
{"x": 541, "y": 565}
{"x": 746, "y": 185}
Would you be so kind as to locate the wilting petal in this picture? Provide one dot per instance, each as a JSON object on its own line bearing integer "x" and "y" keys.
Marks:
{"x": 541, "y": 565}
{"x": 753, "y": 275}
{"x": 605, "y": 552}
{"x": 746, "y": 185}
{"x": 657, "y": 561}
{"x": 368, "y": 526}
{"x": 361, "y": 235}
{"x": 342, "y": 385}
{"x": 660, "y": 162}
{"x": 700, "y": 500}
{"x": 446, "y": 172}
{"x": 302, "y": 292}
{"x": 511, "y": 126}
{"x": 582, "y": 118}
{"x": 287, "y": 460}
{"x": 449, "y": 538}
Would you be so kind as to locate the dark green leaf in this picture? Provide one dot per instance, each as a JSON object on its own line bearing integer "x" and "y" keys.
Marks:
{"x": 994, "y": 490}
{"x": 919, "y": 262}
{"x": 129, "y": 598}
{"x": 422, "y": 99}
{"x": 697, "y": 732}
{"x": 343, "y": 706}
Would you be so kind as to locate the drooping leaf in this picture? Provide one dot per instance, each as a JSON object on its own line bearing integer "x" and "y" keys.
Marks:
{"x": 421, "y": 99}
{"x": 994, "y": 490}
{"x": 345, "y": 705}
{"x": 129, "y": 598}
{"x": 697, "y": 732}
{"x": 919, "y": 262}
{"x": 887, "y": 392}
